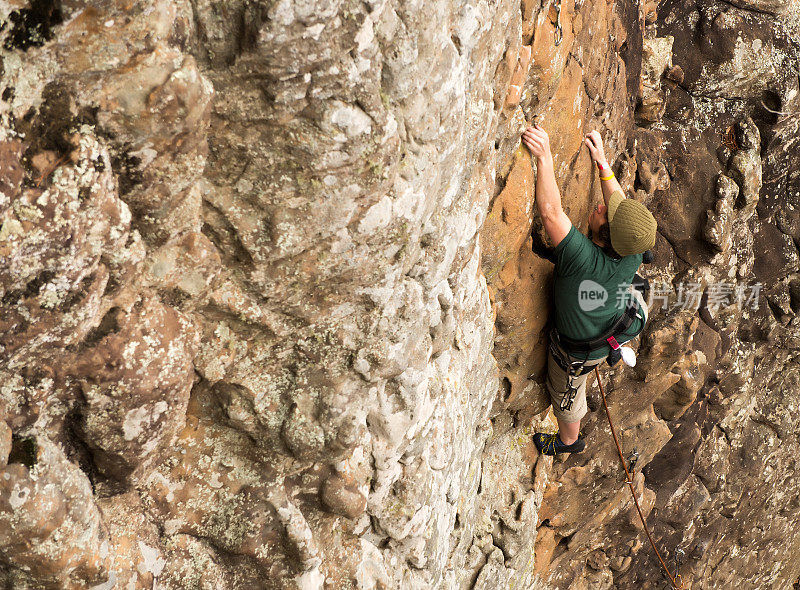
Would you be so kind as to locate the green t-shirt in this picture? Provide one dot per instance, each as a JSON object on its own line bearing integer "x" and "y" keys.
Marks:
{"x": 591, "y": 290}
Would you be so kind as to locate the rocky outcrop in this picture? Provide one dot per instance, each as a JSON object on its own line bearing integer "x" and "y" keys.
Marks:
{"x": 136, "y": 385}
{"x": 53, "y": 532}
{"x": 271, "y": 315}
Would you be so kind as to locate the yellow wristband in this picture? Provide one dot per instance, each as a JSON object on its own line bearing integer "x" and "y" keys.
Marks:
{"x": 609, "y": 177}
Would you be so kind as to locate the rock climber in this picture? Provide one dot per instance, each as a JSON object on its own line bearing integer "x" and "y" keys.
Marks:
{"x": 596, "y": 307}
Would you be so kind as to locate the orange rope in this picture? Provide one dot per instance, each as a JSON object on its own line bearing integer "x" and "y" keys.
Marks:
{"x": 676, "y": 580}
{"x": 50, "y": 169}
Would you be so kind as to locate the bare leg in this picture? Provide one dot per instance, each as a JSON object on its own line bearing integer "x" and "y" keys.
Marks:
{"x": 568, "y": 431}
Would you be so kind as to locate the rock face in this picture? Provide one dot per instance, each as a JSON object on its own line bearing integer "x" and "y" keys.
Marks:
{"x": 270, "y": 315}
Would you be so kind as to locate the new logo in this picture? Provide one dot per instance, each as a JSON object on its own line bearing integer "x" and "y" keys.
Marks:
{"x": 591, "y": 295}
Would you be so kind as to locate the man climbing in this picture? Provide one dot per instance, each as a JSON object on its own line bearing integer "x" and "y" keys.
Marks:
{"x": 596, "y": 308}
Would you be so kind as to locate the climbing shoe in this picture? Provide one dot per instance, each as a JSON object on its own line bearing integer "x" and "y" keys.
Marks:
{"x": 550, "y": 444}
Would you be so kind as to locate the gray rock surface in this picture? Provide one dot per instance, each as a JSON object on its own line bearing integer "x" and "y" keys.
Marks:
{"x": 270, "y": 318}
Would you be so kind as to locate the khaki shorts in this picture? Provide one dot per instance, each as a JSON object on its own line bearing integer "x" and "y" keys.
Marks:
{"x": 557, "y": 387}
{"x": 557, "y": 383}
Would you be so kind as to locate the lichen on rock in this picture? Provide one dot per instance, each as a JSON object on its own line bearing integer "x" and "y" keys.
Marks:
{"x": 273, "y": 315}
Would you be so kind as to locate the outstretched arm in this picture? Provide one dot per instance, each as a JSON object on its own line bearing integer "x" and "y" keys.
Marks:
{"x": 608, "y": 181}
{"x": 548, "y": 199}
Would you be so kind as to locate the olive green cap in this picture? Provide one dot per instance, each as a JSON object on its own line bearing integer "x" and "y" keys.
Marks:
{"x": 633, "y": 227}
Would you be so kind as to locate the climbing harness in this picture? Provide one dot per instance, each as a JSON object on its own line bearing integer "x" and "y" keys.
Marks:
{"x": 559, "y": 34}
{"x": 609, "y": 338}
{"x": 676, "y": 581}
{"x": 573, "y": 368}
{"x": 575, "y": 348}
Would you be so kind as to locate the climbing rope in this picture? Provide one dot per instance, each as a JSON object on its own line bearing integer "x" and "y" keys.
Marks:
{"x": 676, "y": 581}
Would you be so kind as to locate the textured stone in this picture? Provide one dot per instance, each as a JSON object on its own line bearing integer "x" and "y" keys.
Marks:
{"x": 5, "y": 443}
{"x": 134, "y": 540}
{"x": 656, "y": 59}
{"x": 718, "y": 225}
{"x": 343, "y": 498}
{"x": 45, "y": 501}
{"x": 136, "y": 384}
{"x": 271, "y": 317}
{"x": 63, "y": 247}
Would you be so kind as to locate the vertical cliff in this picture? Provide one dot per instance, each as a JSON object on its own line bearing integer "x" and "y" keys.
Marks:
{"x": 270, "y": 316}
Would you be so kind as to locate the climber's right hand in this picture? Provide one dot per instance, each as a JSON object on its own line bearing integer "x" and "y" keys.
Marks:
{"x": 595, "y": 145}
{"x": 537, "y": 141}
